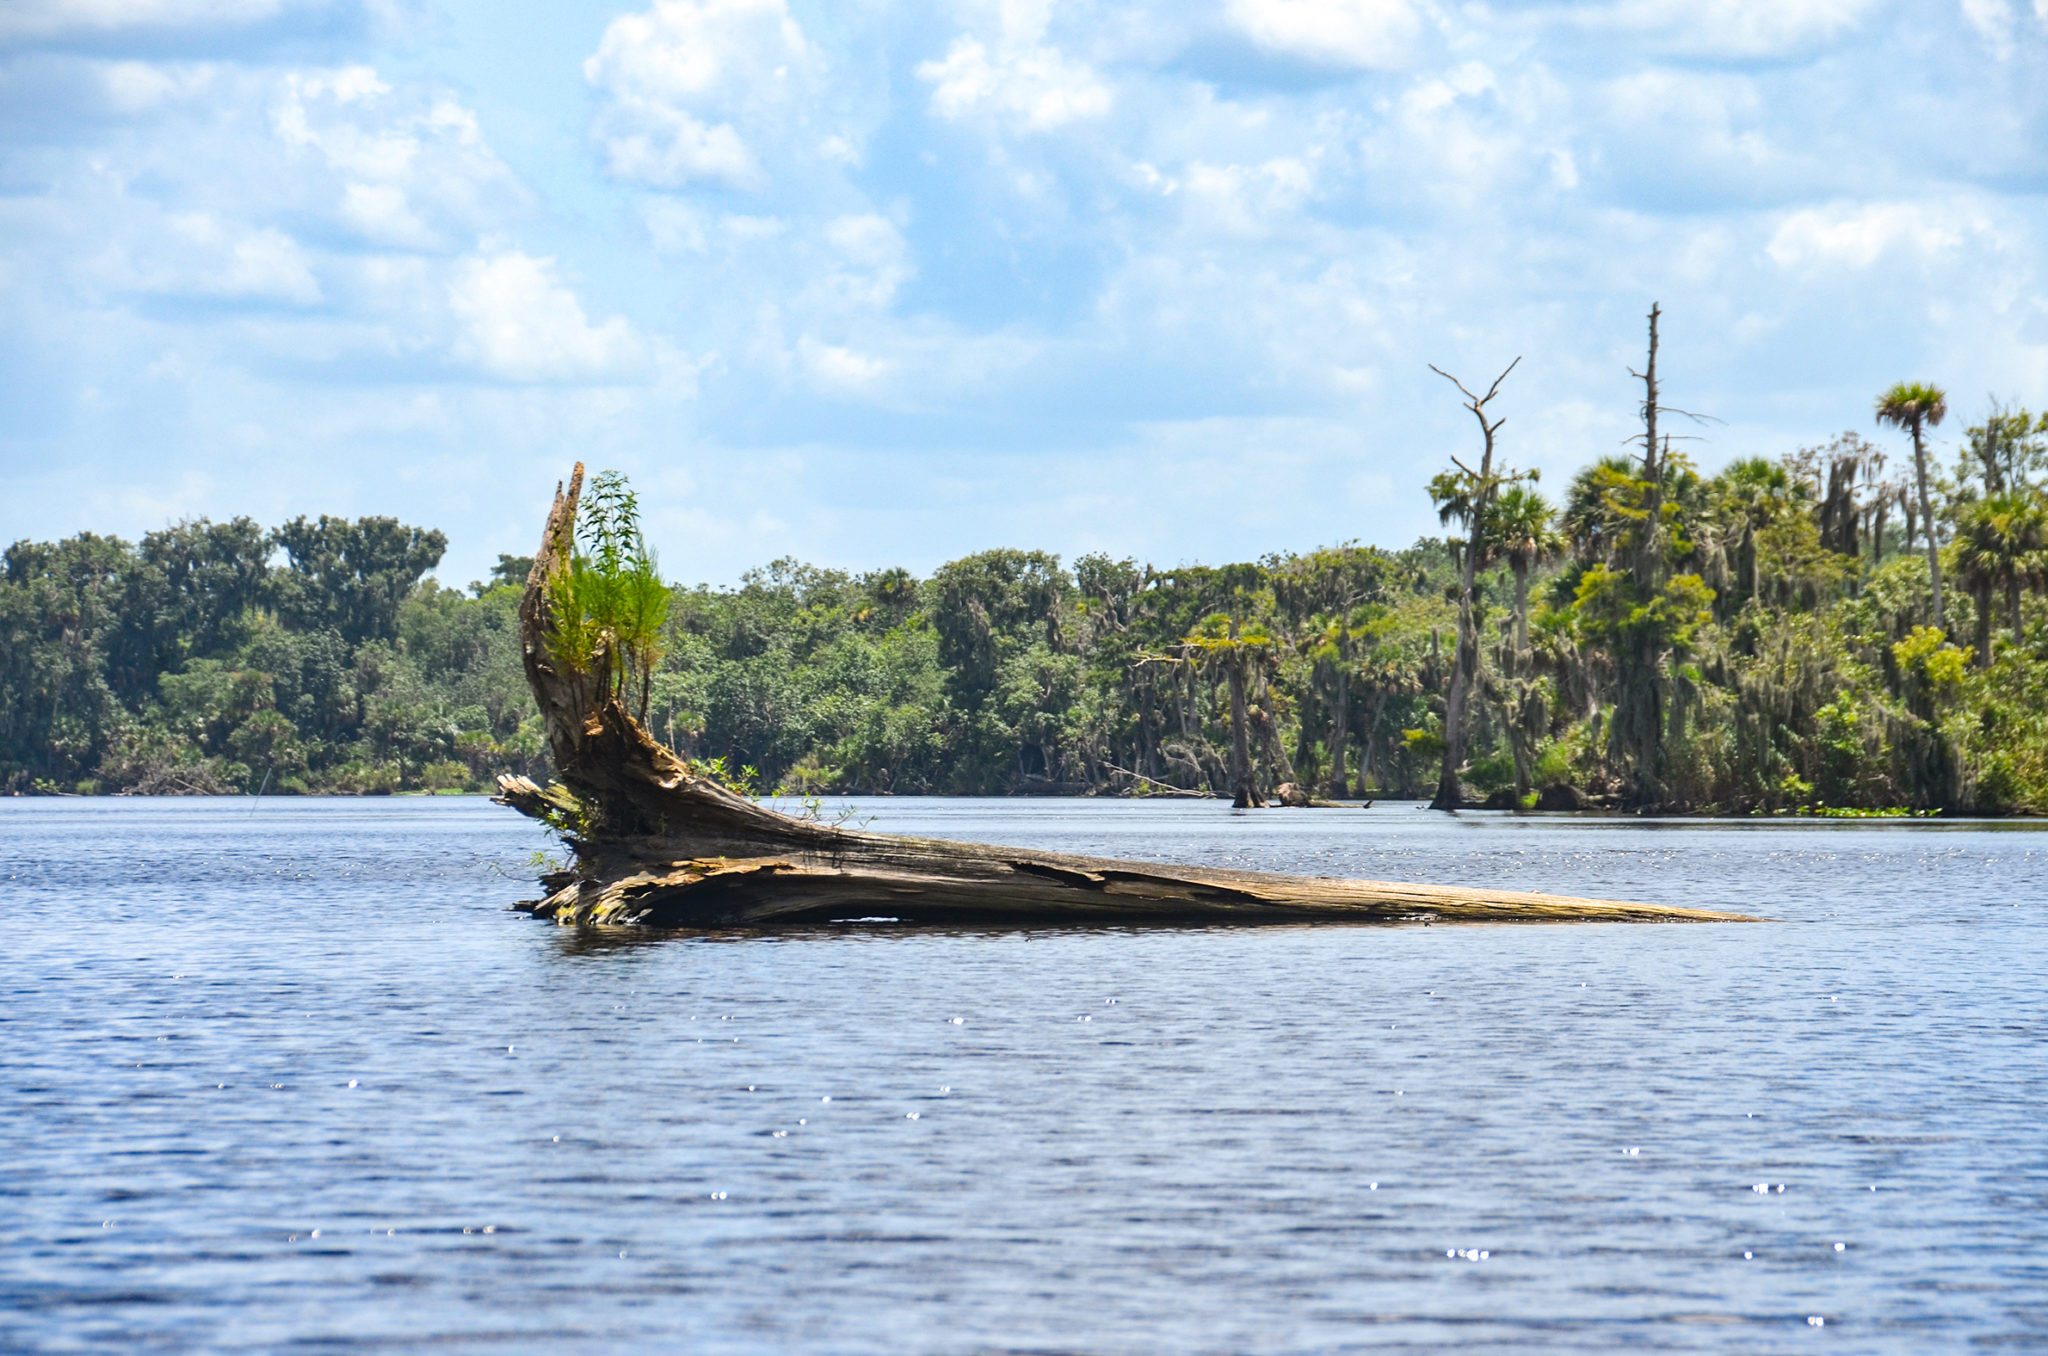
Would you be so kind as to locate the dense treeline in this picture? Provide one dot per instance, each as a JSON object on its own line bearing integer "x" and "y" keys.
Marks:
{"x": 217, "y": 657}
{"x": 1762, "y": 639}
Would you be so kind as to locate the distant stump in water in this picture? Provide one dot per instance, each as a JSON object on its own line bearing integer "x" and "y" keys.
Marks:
{"x": 1294, "y": 796}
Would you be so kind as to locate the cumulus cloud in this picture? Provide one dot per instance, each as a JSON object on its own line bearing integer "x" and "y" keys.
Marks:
{"x": 1739, "y": 28}
{"x": 683, "y": 78}
{"x": 197, "y": 255}
{"x": 1857, "y": 236}
{"x": 1993, "y": 20}
{"x": 875, "y": 259}
{"x": 839, "y": 369}
{"x": 134, "y": 87}
{"x": 1369, "y": 34}
{"x": 329, "y": 207}
{"x": 1034, "y": 87}
{"x": 1246, "y": 200}
{"x": 1145, "y": 236}
{"x": 412, "y": 167}
{"x": 54, "y": 18}
{"x": 1673, "y": 136}
{"x": 1471, "y": 137}
{"x": 519, "y": 322}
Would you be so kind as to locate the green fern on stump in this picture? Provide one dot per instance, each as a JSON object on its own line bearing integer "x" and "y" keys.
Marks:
{"x": 607, "y": 603}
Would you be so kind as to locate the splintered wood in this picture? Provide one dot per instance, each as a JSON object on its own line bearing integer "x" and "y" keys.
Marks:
{"x": 658, "y": 846}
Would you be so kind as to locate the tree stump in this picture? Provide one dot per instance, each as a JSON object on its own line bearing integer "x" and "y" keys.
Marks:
{"x": 657, "y": 845}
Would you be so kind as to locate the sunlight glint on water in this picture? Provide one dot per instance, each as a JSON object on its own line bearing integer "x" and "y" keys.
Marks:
{"x": 289, "y": 1072}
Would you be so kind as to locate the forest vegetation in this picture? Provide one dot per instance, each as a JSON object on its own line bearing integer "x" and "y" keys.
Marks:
{"x": 1837, "y": 629}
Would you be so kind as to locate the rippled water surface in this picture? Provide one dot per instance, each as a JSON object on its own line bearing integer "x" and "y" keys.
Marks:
{"x": 288, "y": 1074}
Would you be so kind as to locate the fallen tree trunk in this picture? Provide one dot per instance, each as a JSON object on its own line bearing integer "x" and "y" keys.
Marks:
{"x": 658, "y": 845}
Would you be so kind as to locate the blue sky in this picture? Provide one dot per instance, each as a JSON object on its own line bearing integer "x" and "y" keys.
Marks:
{"x": 882, "y": 283}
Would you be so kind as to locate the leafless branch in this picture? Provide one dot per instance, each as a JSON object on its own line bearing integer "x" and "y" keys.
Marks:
{"x": 1477, "y": 403}
{"x": 1673, "y": 409}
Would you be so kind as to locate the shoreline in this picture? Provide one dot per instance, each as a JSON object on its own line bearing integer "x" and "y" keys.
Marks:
{"x": 1848, "y": 814}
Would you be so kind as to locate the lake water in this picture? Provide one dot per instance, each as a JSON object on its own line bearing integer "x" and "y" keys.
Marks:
{"x": 288, "y": 1075}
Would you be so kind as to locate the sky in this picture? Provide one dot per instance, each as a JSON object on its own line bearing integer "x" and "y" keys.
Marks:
{"x": 871, "y": 283}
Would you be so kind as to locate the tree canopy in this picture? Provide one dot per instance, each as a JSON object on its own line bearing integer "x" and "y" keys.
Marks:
{"x": 1788, "y": 633}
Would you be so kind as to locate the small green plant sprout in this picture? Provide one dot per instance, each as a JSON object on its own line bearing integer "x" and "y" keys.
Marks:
{"x": 745, "y": 782}
{"x": 812, "y": 810}
{"x": 606, "y": 602}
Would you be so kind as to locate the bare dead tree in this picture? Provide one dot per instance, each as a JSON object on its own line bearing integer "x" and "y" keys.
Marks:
{"x": 1466, "y": 495}
{"x": 1638, "y": 727}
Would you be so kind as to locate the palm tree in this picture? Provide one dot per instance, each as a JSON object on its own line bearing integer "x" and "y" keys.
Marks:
{"x": 1978, "y": 555}
{"x": 1755, "y": 492}
{"x": 2002, "y": 541}
{"x": 1524, "y": 532}
{"x": 1917, "y": 407}
{"x": 1522, "y": 528}
{"x": 1602, "y": 509}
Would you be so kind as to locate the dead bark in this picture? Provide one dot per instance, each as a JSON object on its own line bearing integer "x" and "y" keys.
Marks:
{"x": 1638, "y": 721}
{"x": 657, "y": 845}
{"x": 1482, "y": 484}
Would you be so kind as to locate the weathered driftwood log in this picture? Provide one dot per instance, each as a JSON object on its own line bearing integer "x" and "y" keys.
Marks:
{"x": 657, "y": 845}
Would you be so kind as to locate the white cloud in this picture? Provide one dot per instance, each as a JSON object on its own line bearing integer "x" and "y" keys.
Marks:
{"x": 1248, "y": 200}
{"x": 868, "y": 240}
{"x": 1372, "y": 34}
{"x": 680, "y": 80}
{"x": 869, "y": 261}
{"x": 1743, "y": 28}
{"x": 412, "y": 166}
{"x": 1993, "y": 20}
{"x": 381, "y": 212}
{"x": 133, "y": 87}
{"x": 1668, "y": 137}
{"x": 675, "y": 227}
{"x": 227, "y": 183}
{"x": 238, "y": 254}
{"x": 519, "y": 322}
{"x": 198, "y": 255}
{"x": 841, "y": 370}
{"x": 668, "y": 147}
{"x": 53, "y": 18}
{"x": 1035, "y": 86}
{"x": 262, "y": 263}
{"x": 1461, "y": 137}
{"x": 1857, "y": 236}
{"x": 694, "y": 48}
